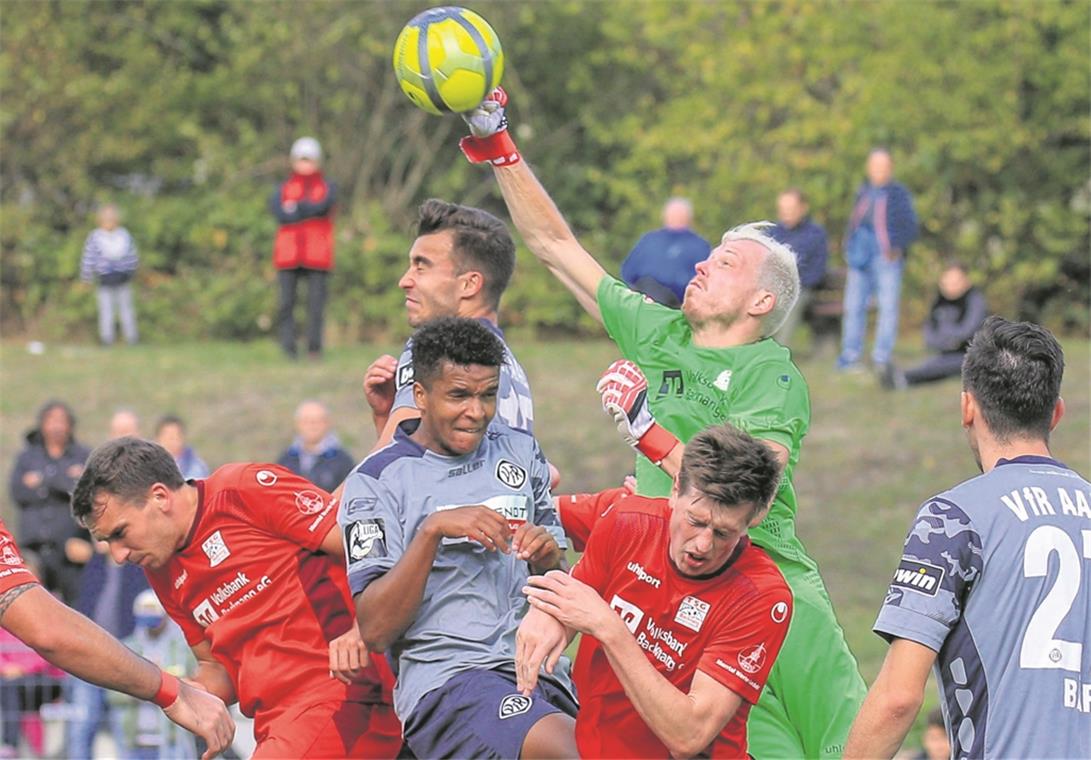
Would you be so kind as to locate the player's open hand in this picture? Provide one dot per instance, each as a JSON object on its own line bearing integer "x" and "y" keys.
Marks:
{"x": 538, "y": 547}
{"x": 379, "y": 385}
{"x": 477, "y": 523}
{"x": 571, "y": 602}
{"x": 205, "y": 715}
{"x": 539, "y": 642}
{"x": 348, "y": 655}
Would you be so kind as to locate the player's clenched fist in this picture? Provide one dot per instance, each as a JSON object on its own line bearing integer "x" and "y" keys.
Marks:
{"x": 477, "y": 523}
{"x": 624, "y": 391}
{"x": 538, "y": 547}
{"x": 379, "y": 385}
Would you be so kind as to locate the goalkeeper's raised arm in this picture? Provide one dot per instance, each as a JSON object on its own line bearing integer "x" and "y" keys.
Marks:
{"x": 534, "y": 213}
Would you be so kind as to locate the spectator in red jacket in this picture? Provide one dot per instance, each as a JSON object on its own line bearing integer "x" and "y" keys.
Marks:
{"x": 303, "y": 206}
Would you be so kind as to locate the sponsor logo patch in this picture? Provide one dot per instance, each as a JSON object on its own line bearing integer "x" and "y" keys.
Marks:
{"x": 779, "y": 612}
{"x": 918, "y": 576}
{"x": 514, "y": 704}
{"x": 309, "y": 502}
{"x": 692, "y": 612}
{"x": 405, "y": 376}
{"x": 672, "y": 384}
{"x": 266, "y": 478}
{"x": 629, "y": 613}
{"x": 215, "y": 548}
{"x": 638, "y": 570}
{"x": 753, "y": 659}
{"x": 181, "y": 579}
{"x": 204, "y": 614}
{"x": 510, "y": 474}
{"x": 365, "y": 538}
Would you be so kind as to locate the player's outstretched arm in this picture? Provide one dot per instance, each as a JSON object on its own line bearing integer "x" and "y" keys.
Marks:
{"x": 535, "y": 215}
{"x": 892, "y": 703}
{"x": 75, "y": 644}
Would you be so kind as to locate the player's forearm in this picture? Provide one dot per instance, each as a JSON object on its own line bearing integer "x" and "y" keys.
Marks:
{"x": 548, "y": 235}
{"x": 214, "y": 679}
{"x": 672, "y": 462}
{"x": 389, "y": 604}
{"x": 882, "y": 723}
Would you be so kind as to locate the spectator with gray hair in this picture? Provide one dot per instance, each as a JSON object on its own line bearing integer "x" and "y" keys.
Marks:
{"x": 316, "y": 453}
{"x": 663, "y": 261}
{"x": 110, "y": 260}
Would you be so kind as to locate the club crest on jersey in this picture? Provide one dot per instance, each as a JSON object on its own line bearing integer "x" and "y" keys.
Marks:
{"x": 692, "y": 612}
{"x": 510, "y": 474}
{"x": 309, "y": 502}
{"x": 753, "y": 659}
{"x": 918, "y": 576}
{"x": 779, "y": 613}
{"x": 9, "y": 555}
{"x": 514, "y": 704}
{"x": 405, "y": 376}
{"x": 215, "y": 548}
{"x": 365, "y": 538}
{"x": 266, "y": 478}
{"x": 630, "y": 614}
{"x": 723, "y": 380}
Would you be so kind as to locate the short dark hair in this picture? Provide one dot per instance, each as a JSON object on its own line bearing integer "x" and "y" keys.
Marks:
{"x": 730, "y": 467}
{"x": 1014, "y": 370}
{"x": 482, "y": 242}
{"x": 126, "y": 468}
{"x": 167, "y": 420}
{"x": 457, "y": 340}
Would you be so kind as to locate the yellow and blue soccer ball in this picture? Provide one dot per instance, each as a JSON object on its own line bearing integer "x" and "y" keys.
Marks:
{"x": 448, "y": 59}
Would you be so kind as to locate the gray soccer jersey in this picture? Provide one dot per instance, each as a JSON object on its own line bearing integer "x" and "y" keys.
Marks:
{"x": 513, "y": 404}
{"x": 473, "y": 600}
{"x": 996, "y": 578}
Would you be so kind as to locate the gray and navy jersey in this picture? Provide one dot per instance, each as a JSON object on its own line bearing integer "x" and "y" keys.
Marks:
{"x": 996, "y": 578}
{"x": 513, "y": 404}
{"x": 473, "y": 600}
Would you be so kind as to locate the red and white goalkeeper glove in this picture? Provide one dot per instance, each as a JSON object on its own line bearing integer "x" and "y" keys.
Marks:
{"x": 489, "y": 140}
{"x": 624, "y": 391}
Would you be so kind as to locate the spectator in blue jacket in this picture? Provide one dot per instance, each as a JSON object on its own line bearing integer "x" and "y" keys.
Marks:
{"x": 807, "y": 239}
{"x": 170, "y": 433}
{"x": 882, "y": 225}
{"x": 664, "y": 261}
{"x": 110, "y": 259}
{"x": 316, "y": 453}
{"x": 956, "y": 314}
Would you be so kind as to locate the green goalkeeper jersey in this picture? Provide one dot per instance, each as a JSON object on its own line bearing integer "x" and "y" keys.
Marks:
{"x": 755, "y": 387}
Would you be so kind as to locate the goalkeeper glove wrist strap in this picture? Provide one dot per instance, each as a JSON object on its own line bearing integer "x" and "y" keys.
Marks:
{"x": 657, "y": 443}
{"x": 169, "y": 687}
{"x": 498, "y": 149}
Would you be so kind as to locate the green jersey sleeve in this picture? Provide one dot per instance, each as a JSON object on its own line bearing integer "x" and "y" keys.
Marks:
{"x": 629, "y": 317}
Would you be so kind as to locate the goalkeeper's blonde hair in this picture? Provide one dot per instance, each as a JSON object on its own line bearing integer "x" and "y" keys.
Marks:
{"x": 778, "y": 274}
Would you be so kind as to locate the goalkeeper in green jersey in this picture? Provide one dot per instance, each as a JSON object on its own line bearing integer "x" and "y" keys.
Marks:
{"x": 712, "y": 362}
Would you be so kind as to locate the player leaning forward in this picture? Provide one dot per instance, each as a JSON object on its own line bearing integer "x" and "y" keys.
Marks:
{"x": 710, "y": 363}
{"x": 993, "y": 589}
{"x": 248, "y": 562}
{"x": 442, "y": 529}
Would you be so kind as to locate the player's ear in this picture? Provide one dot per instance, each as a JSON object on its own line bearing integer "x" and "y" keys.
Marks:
{"x": 764, "y": 301}
{"x": 1058, "y": 412}
{"x": 472, "y": 283}
{"x": 420, "y": 393}
{"x": 969, "y": 409}
{"x": 159, "y": 496}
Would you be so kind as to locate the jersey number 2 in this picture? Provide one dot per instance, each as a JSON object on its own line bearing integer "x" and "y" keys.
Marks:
{"x": 1040, "y": 649}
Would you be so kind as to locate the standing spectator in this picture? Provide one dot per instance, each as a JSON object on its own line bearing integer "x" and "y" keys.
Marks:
{"x": 170, "y": 433}
{"x": 957, "y": 313}
{"x": 934, "y": 742}
{"x": 303, "y": 206}
{"x": 882, "y": 225}
{"x": 316, "y": 453}
{"x": 664, "y": 261}
{"x": 45, "y": 472}
{"x": 807, "y": 239}
{"x": 109, "y": 257}
{"x": 124, "y": 422}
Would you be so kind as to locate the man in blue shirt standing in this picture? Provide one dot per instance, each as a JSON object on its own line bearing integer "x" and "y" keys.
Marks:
{"x": 664, "y": 261}
{"x": 807, "y": 239}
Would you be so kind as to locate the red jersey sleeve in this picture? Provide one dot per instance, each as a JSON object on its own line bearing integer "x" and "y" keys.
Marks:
{"x": 13, "y": 572}
{"x": 741, "y": 654}
{"x": 594, "y": 567}
{"x": 580, "y": 511}
{"x": 286, "y": 504}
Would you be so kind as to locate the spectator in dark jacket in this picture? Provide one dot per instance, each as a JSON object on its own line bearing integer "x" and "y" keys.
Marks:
{"x": 170, "y": 433}
{"x": 807, "y": 239}
{"x": 110, "y": 259}
{"x": 663, "y": 261}
{"x": 882, "y": 225}
{"x": 957, "y": 313}
{"x": 44, "y": 475}
{"x": 316, "y": 454}
{"x": 303, "y": 206}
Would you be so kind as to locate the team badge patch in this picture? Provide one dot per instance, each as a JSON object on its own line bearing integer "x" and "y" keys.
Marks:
{"x": 918, "y": 576}
{"x": 266, "y": 478}
{"x": 692, "y": 612}
{"x": 723, "y": 380}
{"x": 779, "y": 613}
{"x": 9, "y": 555}
{"x": 405, "y": 376}
{"x": 753, "y": 660}
{"x": 215, "y": 548}
{"x": 365, "y": 538}
{"x": 309, "y": 502}
{"x": 514, "y": 704}
{"x": 510, "y": 474}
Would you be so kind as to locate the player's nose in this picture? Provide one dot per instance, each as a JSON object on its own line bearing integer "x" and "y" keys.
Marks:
{"x": 119, "y": 553}
{"x": 406, "y": 281}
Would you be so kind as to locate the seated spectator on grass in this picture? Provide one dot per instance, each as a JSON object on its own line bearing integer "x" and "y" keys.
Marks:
{"x": 170, "y": 433}
{"x": 664, "y": 261}
{"x": 316, "y": 452}
{"x": 807, "y": 239}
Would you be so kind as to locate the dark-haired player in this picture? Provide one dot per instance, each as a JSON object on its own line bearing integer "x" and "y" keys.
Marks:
{"x": 442, "y": 529}
{"x": 683, "y": 617}
{"x": 248, "y": 563}
{"x": 993, "y": 589}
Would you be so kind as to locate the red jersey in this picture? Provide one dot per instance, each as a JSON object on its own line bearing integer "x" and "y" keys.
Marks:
{"x": 580, "y": 511}
{"x": 729, "y": 626}
{"x": 12, "y": 570}
{"x": 250, "y": 581}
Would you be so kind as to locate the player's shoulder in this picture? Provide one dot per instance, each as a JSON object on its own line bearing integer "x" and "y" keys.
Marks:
{"x": 245, "y": 475}
{"x": 761, "y": 570}
{"x": 641, "y": 516}
{"x": 501, "y": 435}
{"x": 385, "y": 461}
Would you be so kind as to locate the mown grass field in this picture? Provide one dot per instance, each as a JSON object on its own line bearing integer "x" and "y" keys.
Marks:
{"x": 869, "y": 460}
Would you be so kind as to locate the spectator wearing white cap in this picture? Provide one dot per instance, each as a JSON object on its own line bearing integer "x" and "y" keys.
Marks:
{"x": 303, "y": 206}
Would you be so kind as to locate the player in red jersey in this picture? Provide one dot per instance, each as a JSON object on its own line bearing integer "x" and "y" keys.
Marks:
{"x": 682, "y": 615}
{"x": 249, "y": 563}
{"x": 70, "y": 641}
